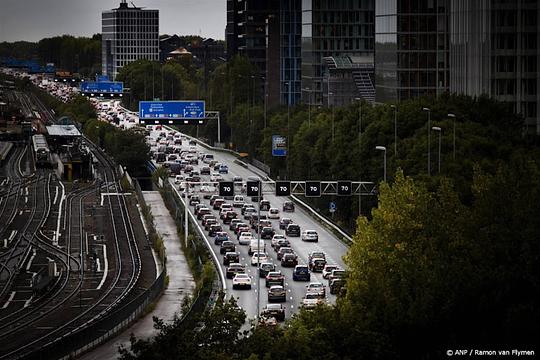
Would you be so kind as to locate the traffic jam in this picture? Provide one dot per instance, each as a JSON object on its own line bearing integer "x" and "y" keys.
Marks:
{"x": 234, "y": 228}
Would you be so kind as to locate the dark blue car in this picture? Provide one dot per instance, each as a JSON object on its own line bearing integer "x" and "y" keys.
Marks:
{"x": 221, "y": 237}
{"x": 301, "y": 273}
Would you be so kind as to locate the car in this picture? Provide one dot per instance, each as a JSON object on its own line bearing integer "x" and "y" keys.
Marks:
{"x": 254, "y": 220}
{"x": 188, "y": 169}
{"x": 221, "y": 237}
{"x": 214, "y": 229}
{"x": 249, "y": 212}
{"x": 237, "y": 179}
{"x": 227, "y": 246}
{"x": 267, "y": 232}
{"x": 240, "y": 228}
{"x": 198, "y": 207}
{"x": 241, "y": 281}
{"x": 301, "y": 273}
{"x": 194, "y": 199}
{"x": 274, "y": 278}
{"x": 316, "y": 254}
{"x": 229, "y": 216}
{"x": 284, "y": 250}
{"x": 178, "y": 179}
{"x": 233, "y": 224}
{"x": 277, "y": 293}
{"x": 336, "y": 274}
{"x": 246, "y": 206}
{"x": 310, "y": 235}
{"x": 275, "y": 239}
{"x": 238, "y": 201}
{"x": 203, "y": 211}
{"x": 311, "y": 300}
{"x": 223, "y": 169}
{"x": 207, "y": 217}
{"x": 226, "y": 206}
{"x": 205, "y": 170}
{"x": 317, "y": 264}
{"x": 316, "y": 287}
{"x": 258, "y": 257}
{"x": 245, "y": 238}
{"x": 265, "y": 268}
{"x": 209, "y": 222}
{"x": 282, "y": 243}
{"x": 216, "y": 166}
{"x": 336, "y": 285}
{"x": 328, "y": 270}
{"x": 213, "y": 198}
{"x": 276, "y": 311}
{"x": 231, "y": 257}
{"x": 216, "y": 177}
{"x": 284, "y": 222}
{"x": 264, "y": 205}
{"x": 273, "y": 213}
{"x": 218, "y": 203}
{"x": 192, "y": 143}
{"x": 288, "y": 206}
{"x": 292, "y": 230}
{"x": 289, "y": 260}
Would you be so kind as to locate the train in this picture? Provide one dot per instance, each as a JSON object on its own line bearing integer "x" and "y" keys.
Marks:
{"x": 41, "y": 150}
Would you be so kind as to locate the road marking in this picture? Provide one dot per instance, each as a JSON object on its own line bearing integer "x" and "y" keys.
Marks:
{"x": 12, "y": 236}
{"x": 106, "y": 267}
{"x": 28, "y": 301}
{"x": 86, "y": 241}
{"x": 9, "y": 300}
{"x": 31, "y": 259}
{"x": 20, "y": 213}
{"x": 55, "y": 196}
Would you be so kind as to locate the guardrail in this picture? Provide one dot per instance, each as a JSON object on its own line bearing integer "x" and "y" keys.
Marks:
{"x": 308, "y": 207}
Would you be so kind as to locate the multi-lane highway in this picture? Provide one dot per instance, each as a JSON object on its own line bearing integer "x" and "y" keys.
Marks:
{"x": 328, "y": 243}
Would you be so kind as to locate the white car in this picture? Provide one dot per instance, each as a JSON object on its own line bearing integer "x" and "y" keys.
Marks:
{"x": 178, "y": 179}
{"x": 258, "y": 257}
{"x": 317, "y": 288}
{"x": 216, "y": 177}
{"x": 276, "y": 238}
{"x": 273, "y": 213}
{"x": 238, "y": 201}
{"x": 241, "y": 280}
{"x": 328, "y": 270}
{"x": 311, "y": 300}
{"x": 245, "y": 238}
{"x": 310, "y": 235}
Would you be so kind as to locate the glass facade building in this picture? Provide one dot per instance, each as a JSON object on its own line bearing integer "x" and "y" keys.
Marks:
{"x": 332, "y": 28}
{"x": 290, "y": 16}
{"x": 411, "y": 49}
{"x": 494, "y": 50}
{"x": 128, "y": 34}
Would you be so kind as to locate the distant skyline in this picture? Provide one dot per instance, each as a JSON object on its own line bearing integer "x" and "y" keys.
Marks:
{"x": 34, "y": 20}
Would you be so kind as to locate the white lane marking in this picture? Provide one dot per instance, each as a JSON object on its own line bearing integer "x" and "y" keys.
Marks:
{"x": 57, "y": 235}
{"x": 31, "y": 259}
{"x": 98, "y": 265}
{"x": 9, "y": 299}
{"x": 12, "y": 236}
{"x": 55, "y": 195}
{"x": 105, "y": 269}
{"x": 20, "y": 213}
{"x": 86, "y": 241}
{"x": 26, "y": 191}
{"x": 26, "y": 199}
{"x": 28, "y": 301}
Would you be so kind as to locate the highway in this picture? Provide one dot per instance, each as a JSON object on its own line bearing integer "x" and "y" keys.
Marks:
{"x": 328, "y": 243}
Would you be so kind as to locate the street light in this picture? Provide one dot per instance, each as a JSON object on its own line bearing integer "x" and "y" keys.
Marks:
{"x": 436, "y": 128}
{"x": 331, "y": 93}
{"x": 450, "y": 115}
{"x": 395, "y": 129}
{"x": 383, "y": 149}
{"x": 429, "y": 140}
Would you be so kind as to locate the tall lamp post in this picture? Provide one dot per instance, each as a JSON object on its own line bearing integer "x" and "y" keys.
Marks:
{"x": 395, "y": 129}
{"x": 383, "y": 149}
{"x": 428, "y": 141}
{"x": 453, "y": 117}
{"x": 439, "y": 130}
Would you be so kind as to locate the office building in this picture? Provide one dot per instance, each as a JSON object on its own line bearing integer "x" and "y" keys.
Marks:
{"x": 332, "y": 28}
{"x": 290, "y": 47}
{"x": 348, "y": 78}
{"x": 411, "y": 49}
{"x": 129, "y": 34}
{"x": 494, "y": 50}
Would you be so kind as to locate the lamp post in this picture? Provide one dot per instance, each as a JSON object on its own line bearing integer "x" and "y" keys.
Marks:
{"x": 429, "y": 141}
{"x": 439, "y": 130}
{"x": 395, "y": 129}
{"x": 383, "y": 149}
{"x": 450, "y": 115}
{"x": 330, "y": 93}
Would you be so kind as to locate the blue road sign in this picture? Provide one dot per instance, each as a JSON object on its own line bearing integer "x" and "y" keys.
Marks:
{"x": 171, "y": 110}
{"x": 104, "y": 87}
{"x": 102, "y": 78}
{"x": 279, "y": 145}
{"x": 332, "y": 206}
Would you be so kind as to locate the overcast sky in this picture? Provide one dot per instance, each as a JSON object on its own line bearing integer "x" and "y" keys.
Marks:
{"x": 33, "y": 20}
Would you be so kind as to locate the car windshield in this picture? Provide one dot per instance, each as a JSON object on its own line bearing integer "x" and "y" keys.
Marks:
{"x": 301, "y": 270}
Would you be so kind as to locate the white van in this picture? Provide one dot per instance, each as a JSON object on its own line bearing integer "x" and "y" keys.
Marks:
{"x": 207, "y": 158}
{"x": 256, "y": 246}
{"x": 238, "y": 201}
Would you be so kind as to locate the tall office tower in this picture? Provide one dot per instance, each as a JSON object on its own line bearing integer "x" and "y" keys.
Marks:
{"x": 128, "y": 34}
{"x": 290, "y": 19}
{"x": 332, "y": 28}
{"x": 494, "y": 50}
{"x": 411, "y": 48}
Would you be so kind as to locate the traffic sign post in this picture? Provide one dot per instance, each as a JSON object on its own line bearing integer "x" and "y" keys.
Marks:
{"x": 170, "y": 112}
{"x": 226, "y": 188}
{"x": 332, "y": 208}
{"x": 344, "y": 188}
{"x": 313, "y": 189}
{"x": 283, "y": 188}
